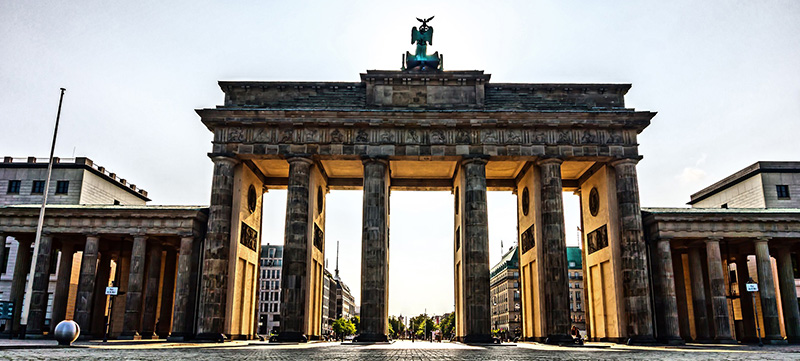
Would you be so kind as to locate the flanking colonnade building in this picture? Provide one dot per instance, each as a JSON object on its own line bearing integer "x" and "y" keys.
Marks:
{"x": 98, "y": 232}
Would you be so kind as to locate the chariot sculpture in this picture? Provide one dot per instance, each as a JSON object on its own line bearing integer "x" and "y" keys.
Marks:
{"x": 420, "y": 60}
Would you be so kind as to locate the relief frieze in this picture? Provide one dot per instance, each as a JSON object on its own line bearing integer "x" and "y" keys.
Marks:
{"x": 420, "y": 136}
{"x": 336, "y": 136}
{"x": 437, "y": 136}
{"x": 411, "y": 136}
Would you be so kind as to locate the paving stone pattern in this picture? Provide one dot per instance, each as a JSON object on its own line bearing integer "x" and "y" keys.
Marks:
{"x": 405, "y": 351}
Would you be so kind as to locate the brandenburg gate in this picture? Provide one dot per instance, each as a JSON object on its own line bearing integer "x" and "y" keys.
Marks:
{"x": 423, "y": 128}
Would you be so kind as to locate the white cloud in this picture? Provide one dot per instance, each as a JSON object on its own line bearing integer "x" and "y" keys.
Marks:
{"x": 691, "y": 175}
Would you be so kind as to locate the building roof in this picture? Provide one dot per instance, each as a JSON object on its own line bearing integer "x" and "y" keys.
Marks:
{"x": 747, "y": 172}
{"x": 574, "y": 254}
{"x": 265, "y": 250}
{"x": 510, "y": 260}
{"x": 77, "y": 162}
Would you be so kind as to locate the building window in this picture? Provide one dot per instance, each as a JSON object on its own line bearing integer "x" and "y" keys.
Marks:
{"x": 783, "y": 191}
{"x": 38, "y": 187}
{"x": 62, "y": 187}
{"x": 13, "y": 186}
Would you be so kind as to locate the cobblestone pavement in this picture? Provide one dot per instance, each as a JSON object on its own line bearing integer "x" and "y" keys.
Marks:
{"x": 398, "y": 351}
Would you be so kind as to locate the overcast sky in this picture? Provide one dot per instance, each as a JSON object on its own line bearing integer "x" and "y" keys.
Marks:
{"x": 722, "y": 75}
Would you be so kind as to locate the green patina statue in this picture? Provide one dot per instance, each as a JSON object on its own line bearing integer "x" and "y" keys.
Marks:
{"x": 421, "y": 60}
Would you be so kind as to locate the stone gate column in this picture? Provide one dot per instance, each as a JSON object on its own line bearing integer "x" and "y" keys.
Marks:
{"x": 216, "y": 251}
{"x": 375, "y": 252}
{"x": 61, "y": 295}
{"x": 701, "y": 325}
{"x": 151, "y": 290}
{"x": 21, "y": 268}
{"x": 635, "y": 286}
{"x": 720, "y": 319}
{"x": 294, "y": 276}
{"x": 180, "y": 322}
{"x": 164, "y": 323}
{"x": 791, "y": 313}
{"x": 554, "y": 254}
{"x": 41, "y": 281}
{"x": 745, "y": 300}
{"x": 766, "y": 289}
{"x": 100, "y": 304}
{"x": 133, "y": 296}
{"x": 86, "y": 282}
{"x": 666, "y": 299}
{"x": 681, "y": 296}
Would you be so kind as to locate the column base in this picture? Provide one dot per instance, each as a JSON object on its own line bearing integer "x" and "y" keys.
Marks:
{"x": 149, "y": 336}
{"x": 641, "y": 340}
{"x": 288, "y": 336}
{"x": 673, "y": 341}
{"x": 559, "y": 339}
{"x": 130, "y": 336}
{"x": 775, "y": 341}
{"x": 178, "y": 337}
{"x": 211, "y": 337}
{"x": 371, "y": 337}
{"x": 37, "y": 336}
{"x": 726, "y": 341}
{"x": 480, "y": 338}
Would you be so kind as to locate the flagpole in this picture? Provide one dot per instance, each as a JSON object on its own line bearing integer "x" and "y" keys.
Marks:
{"x": 29, "y": 287}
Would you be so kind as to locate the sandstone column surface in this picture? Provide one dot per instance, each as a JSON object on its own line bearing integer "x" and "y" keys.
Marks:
{"x": 294, "y": 276}
{"x": 791, "y": 313}
{"x": 375, "y": 252}
{"x": 554, "y": 254}
{"x": 151, "y": 291}
{"x": 41, "y": 281}
{"x": 666, "y": 298}
{"x": 61, "y": 295}
{"x": 720, "y": 320}
{"x": 180, "y": 325}
{"x": 133, "y": 296}
{"x": 766, "y": 289}
{"x": 635, "y": 285}
{"x": 216, "y": 251}
{"x": 701, "y": 324}
{"x": 86, "y": 283}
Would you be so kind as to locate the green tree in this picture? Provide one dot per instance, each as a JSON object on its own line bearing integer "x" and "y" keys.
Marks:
{"x": 422, "y": 323}
{"x": 356, "y": 320}
{"x": 343, "y": 327}
{"x": 396, "y": 327}
{"x": 447, "y": 325}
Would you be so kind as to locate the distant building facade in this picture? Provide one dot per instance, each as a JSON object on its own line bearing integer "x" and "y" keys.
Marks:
{"x": 577, "y": 313}
{"x": 761, "y": 185}
{"x": 269, "y": 295}
{"x": 504, "y": 293}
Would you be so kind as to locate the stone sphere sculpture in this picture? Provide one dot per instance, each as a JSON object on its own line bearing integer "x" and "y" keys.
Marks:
{"x": 67, "y": 332}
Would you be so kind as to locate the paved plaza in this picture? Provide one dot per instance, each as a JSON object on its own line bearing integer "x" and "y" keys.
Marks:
{"x": 397, "y": 351}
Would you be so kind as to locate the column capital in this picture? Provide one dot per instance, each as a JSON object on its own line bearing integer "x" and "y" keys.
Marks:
{"x": 762, "y": 239}
{"x": 625, "y": 161}
{"x": 713, "y": 239}
{"x": 477, "y": 158}
{"x": 223, "y": 157}
{"x": 374, "y": 159}
{"x": 304, "y": 158}
{"x": 543, "y": 161}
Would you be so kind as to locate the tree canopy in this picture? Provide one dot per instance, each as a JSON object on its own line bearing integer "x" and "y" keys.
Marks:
{"x": 344, "y": 327}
